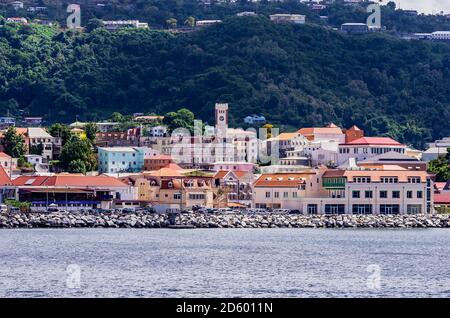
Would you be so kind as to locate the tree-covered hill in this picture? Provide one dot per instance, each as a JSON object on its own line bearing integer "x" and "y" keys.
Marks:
{"x": 292, "y": 74}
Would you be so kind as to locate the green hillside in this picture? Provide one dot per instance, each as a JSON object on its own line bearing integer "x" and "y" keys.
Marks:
{"x": 294, "y": 75}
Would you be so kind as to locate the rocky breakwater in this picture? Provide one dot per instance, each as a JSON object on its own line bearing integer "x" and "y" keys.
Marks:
{"x": 196, "y": 220}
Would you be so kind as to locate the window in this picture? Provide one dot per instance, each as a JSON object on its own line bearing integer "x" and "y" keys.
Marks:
{"x": 312, "y": 208}
{"x": 177, "y": 196}
{"x": 355, "y": 194}
{"x": 389, "y": 180}
{"x": 383, "y": 194}
{"x": 419, "y": 195}
{"x": 362, "y": 208}
{"x": 368, "y": 194}
{"x": 409, "y": 194}
{"x": 414, "y": 209}
{"x": 294, "y": 194}
{"x": 389, "y": 209}
{"x": 361, "y": 179}
{"x": 285, "y": 194}
{"x": 277, "y": 194}
{"x": 413, "y": 179}
{"x": 193, "y": 196}
{"x": 334, "y": 208}
{"x": 396, "y": 194}
{"x": 267, "y": 194}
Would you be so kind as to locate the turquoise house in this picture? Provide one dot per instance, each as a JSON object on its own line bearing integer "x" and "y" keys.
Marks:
{"x": 121, "y": 159}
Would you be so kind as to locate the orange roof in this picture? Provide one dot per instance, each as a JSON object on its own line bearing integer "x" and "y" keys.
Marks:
{"x": 172, "y": 170}
{"x": 4, "y": 155}
{"x": 68, "y": 180}
{"x": 381, "y": 141}
{"x": 21, "y": 131}
{"x": 376, "y": 175}
{"x": 4, "y": 178}
{"x": 283, "y": 180}
{"x": 222, "y": 173}
{"x": 286, "y": 136}
{"x": 440, "y": 185}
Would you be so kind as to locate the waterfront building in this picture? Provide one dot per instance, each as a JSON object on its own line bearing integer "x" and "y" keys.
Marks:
{"x": 173, "y": 187}
{"x": 6, "y": 189}
{"x": 442, "y": 197}
{"x": 71, "y": 192}
{"x": 285, "y": 190}
{"x": 122, "y": 159}
{"x": 373, "y": 191}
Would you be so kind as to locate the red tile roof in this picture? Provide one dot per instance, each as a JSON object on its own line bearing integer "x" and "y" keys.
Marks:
{"x": 4, "y": 178}
{"x": 382, "y": 141}
{"x": 69, "y": 180}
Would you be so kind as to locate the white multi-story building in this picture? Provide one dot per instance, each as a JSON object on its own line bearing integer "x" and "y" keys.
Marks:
{"x": 360, "y": 191}
{"x": 372, "y": 192}
{"x": 38, "y": 136}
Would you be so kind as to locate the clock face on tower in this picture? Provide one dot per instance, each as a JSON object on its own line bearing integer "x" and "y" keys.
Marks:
{"x": 221, "y": 118}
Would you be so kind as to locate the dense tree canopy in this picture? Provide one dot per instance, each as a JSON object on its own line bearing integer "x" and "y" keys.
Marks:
{"x": 292, "y": 74}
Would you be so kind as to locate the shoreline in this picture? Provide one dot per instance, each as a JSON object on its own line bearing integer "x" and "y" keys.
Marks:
{"x": 198, "y": 220}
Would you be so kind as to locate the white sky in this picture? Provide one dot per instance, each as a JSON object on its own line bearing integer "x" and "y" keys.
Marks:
{"x": 425, "y": 6}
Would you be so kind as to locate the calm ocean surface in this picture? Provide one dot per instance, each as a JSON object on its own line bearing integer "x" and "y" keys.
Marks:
{"x": 225, "y": 263}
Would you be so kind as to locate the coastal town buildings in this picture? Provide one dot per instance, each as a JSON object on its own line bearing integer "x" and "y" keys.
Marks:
{"x": 71, "y": 192}
{"x": 122, "y": 159}
{"x": 235, "y": 188}
{"x": 330, "y": 191}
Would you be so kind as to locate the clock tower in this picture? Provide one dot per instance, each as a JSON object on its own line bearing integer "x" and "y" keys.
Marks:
{"x": 221, "y": 119}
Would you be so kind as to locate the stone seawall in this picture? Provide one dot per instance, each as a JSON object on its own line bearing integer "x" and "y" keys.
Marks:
{"x": 194, "y": 220}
